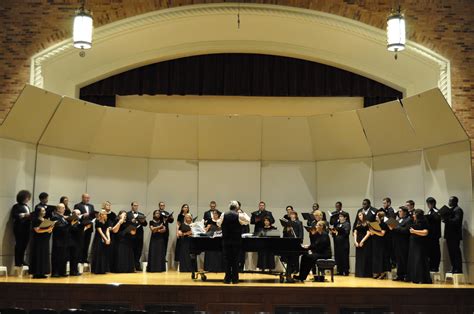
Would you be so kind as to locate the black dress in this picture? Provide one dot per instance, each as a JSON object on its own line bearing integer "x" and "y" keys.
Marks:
{"x": 418, "y": 262}
{"x": 100, "y": 251}
{"x": 213, "y": 260}
{"x": 380, "y": 253}
{"x": 341, "y": 246}
{"x": 156, "y": 250}
{"x": 111, "y": 221}
{"x": 180, "y": 221}
{"x": 61, "y": 239}
{"x": 364, "y": 253}
{"x": 266, "y": 260}
{"x": 185, "y": 263}
{"x": 124, "y": 261}
{"x": 39, "y": 251}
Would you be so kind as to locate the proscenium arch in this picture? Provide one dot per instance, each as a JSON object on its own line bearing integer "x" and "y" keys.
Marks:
{"x": 267, "y": 29}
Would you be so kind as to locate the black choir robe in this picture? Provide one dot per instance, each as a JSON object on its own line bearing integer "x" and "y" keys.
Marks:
{"x": 90, "y": 211}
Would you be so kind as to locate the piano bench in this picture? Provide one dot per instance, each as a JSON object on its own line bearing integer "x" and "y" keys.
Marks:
{"x": 326, "y": 264}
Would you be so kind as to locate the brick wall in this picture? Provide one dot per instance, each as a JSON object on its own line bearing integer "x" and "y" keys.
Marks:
{"x": 445, "y": 26}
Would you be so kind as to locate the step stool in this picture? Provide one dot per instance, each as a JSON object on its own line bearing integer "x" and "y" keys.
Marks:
{"x": 456, "y": 279}
{"x": 21, "y": 270}
{"x": 84, "y": 267}
{"x": 435, "y": 276}
{"x": 4, "y": 269}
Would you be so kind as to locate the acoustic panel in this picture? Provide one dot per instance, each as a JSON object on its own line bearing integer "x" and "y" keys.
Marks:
{"x": 288, "y": 183}
{"x": 338, "y": 136}
{"x": 174, "y": 137}
{"x": 230, "y": 137}
{"x": 174, "y": 182}
{"x": 433, "y": 120}
{"x": 400, "y": 177}
{"x": 74, "y": 125}
{"x": 119, "y": 180}
{"x": 61, "y": 172}
{"x": 124, "y": 132}
{"x": 30, "y": 115}
{"x": 286, "y": 138}
{"x": 348, "y": 181}
{"x": 387, "y": 129}
{"x": 224, "y": 181}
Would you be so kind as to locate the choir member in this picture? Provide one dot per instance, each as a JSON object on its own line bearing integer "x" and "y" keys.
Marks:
{"x": 76, "y": 237}
{"x": 368, "y": 211}
{"x": 266, "y": 260}
{"x": 123, "y": 260}
{"x": 111, "y": 216}
{"x": 87, "y": 215}
{"x": 184, "y": 233}
{"x": 20, "y": 214}
{"x": 179, "y": 221}
{"x": 167, "y": 219}
{"x": 61, "y": 235}
{"x": 334, "y": 219}
{"x": 418, "y": 264}
{"x": 380, "y": 253}
{"x": 289, "y": 210}
{"x": 258, "y": 215}
{"x": 44, "y": 198}
{"x": 316, "y": 217}
{"x": 389, "y": 213}
{"x": 387, "y": 207}
{"x": 65, "y": 200}
{"x": 453, "y": 234}
{"x": 361, "y": 233}
{"x": 294, "y": 230}
{"x": 410, "y": 204}
{"x": 101, "y": 245}
{"x": 39, "y": 251}
{"x": 434, "y": 222}
{"x": 157, "y": 248}
{"x": 341, "y": 232}
{"x": 320, "y": 248}
{"x": 401, "y": 240}
{"x": 231, "y": 223}
{"x": 208, "y": 213}
{"x": 213, "y": 260}
{"x": 139, "y": 220}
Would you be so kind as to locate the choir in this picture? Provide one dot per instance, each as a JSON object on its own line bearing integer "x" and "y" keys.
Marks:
{"x": 407, "y": 239}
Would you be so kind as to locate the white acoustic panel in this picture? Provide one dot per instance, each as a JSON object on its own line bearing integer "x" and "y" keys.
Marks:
{"x": 286, "y": 138}
{"x": 288, "y": 183}
{"x": 174, "y": 182}
{"x": 230, "y": 137}
{"x": 338, "y": 136}
{"x": 30, "y": 115}
{"x": 61, "y": 172}
{"x": 119, "y": 180}
{"x": 17, "y": 166}
{"x": 433, "y": 119}
{"x": 124, "y": 132}
{"x": 174, "y": 137}
{"x": 74, "y": 125}
{"x": 388, "y": 129}
{"x": 400, "y": 177}
{"x": 224, "y": 181}
{"x": 348, "y": 181}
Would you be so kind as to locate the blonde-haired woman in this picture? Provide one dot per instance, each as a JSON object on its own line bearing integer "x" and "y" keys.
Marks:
{"x": 101, "y": 246}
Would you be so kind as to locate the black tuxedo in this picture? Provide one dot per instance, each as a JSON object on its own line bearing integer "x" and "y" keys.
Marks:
{"x": 453, "y": 236}
{"x": 21, "y": 231}
{"x": 86, "y": 209}
{"x": 231, "y": 244}
{"x": 137, "y": 240}
{"x": 257, "y": 219}
{"x": 434, "y": 250}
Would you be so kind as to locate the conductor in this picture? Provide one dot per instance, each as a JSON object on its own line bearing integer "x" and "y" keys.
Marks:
{"x": 231, "y": 223}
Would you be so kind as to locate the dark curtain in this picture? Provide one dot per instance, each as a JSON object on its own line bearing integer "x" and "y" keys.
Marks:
{"x": 238, "y": 75}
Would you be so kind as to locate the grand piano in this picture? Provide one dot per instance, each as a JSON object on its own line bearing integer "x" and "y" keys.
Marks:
{"x": 276, "y": 245}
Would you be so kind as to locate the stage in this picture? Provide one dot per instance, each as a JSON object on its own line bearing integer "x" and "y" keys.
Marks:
{"x": 256, "y": 292}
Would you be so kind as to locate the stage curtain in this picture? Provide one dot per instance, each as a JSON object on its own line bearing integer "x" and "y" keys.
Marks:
{"x": 238, "y": 75}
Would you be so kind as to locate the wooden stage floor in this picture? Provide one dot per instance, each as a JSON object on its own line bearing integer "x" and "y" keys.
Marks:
{"x": 256, "y": 293}
{"x": 174, "y": 278}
